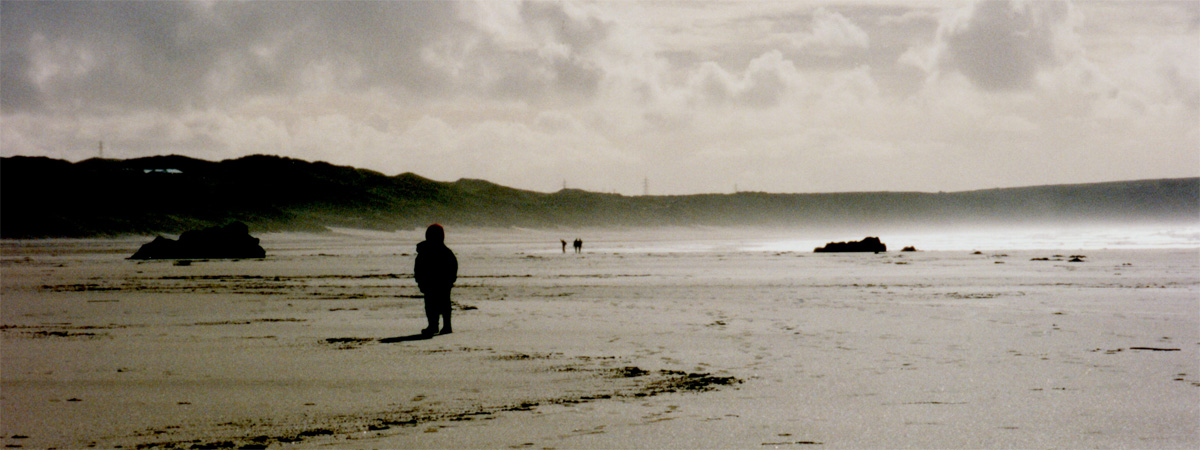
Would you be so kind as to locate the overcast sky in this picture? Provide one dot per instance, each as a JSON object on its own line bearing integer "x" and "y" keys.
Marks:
{"x": 693, "y": 96}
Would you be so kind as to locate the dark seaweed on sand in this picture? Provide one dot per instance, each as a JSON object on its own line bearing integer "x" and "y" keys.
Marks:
{"x": 650, "y": 384}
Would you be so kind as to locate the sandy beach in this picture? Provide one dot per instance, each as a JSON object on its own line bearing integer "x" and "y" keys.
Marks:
{"x": 641, "y": 341}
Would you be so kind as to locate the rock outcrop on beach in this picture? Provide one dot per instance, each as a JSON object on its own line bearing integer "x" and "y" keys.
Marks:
{"x": 231, "y": 241}
{"x": 868, "y": 244}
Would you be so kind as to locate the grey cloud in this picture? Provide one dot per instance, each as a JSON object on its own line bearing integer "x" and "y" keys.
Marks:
{"x": 580, "y": 32}
{"x": 17, "y": 91}
{"x": 1002, "y": 45}
{"x": 170, "y": 55}
{"x": 714, "y": 84}
{"x": 383, "y": 39}
{"x": 110, "y": 54}
{"x": 527, "y": 75}
{"x": 530, "y": 74}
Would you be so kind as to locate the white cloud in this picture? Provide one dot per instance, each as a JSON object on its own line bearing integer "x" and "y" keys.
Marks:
{"x": 558, "y": 121}
{"x": 767, "y": 80}
{"x": 831, "y": 33}
{"x": 1166, "y": 69}
{"x": 429, "y": 135}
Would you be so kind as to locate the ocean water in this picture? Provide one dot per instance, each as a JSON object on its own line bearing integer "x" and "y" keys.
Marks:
{"x": 353, "y": 242}
{"x": 1082, "y": 238}
{"x": 721, "y": 239}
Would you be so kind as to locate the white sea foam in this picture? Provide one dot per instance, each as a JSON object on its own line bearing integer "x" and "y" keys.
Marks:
{"x": 1017, "y": 239}
{"x": 716, "y": 239}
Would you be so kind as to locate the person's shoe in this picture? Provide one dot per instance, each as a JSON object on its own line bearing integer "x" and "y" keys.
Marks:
{"x": 429, "y": 331}
{"x": 446, "y": 330}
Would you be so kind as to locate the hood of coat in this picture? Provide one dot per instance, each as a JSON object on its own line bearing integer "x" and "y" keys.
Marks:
{"x": 427, "y": 246}
{"x": 435, "y": 233}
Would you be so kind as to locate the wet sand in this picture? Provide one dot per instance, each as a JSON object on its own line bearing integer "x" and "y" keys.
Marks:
{"x": 703, "y": 343}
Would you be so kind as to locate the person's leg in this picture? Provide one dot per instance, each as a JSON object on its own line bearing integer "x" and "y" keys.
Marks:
{"x": 431, "y": 313}
{"x": 446, "y": 328}
{"x": 446, "y": 307}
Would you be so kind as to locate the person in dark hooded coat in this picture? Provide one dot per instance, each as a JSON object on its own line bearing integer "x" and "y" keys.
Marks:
{"x": 435, "y": 272}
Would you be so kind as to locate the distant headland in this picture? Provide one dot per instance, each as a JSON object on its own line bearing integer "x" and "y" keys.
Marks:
{"x": 45, "y": 197}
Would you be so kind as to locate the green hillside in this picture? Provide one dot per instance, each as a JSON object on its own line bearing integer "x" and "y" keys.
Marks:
{"x": 43, "y": 197}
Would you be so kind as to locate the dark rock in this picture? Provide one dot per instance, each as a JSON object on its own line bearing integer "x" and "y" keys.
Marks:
{"x": 909, "y": 249}
{"x": 630, "y": 372}
{"x": 230, "y": 241}
{"x": 868, "y": 244}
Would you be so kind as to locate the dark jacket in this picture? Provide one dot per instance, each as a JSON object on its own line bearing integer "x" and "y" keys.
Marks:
{"x": 436, "y": 268}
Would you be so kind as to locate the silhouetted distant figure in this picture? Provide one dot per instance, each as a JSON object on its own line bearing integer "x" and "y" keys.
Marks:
{"x": 564, "y": 243}
{"x": 578, "y": 245}
{"x": 435, "y": 271}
